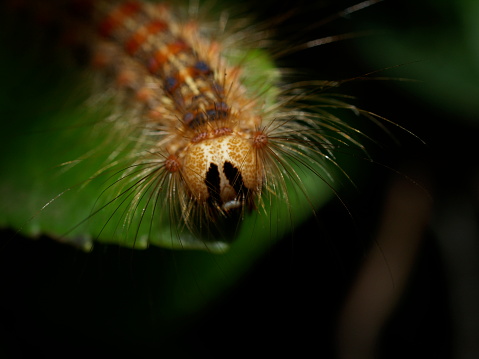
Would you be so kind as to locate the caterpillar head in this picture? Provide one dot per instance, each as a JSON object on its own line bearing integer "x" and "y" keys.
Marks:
{"x": 224, "y": 171}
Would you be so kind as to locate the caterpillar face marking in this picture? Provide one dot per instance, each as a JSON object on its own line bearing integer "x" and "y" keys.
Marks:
{"x": 218, "y": 170}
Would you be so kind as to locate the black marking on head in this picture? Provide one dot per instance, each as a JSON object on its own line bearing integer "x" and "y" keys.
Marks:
{"x": 225, "y": 216}
{"x": 234, "y": 177}
{"x": 212, "y": 182}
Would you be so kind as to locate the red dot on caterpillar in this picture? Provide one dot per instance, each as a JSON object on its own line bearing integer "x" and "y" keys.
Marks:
{"x": 260, "y": 139}
{"x": 172, "y": 164}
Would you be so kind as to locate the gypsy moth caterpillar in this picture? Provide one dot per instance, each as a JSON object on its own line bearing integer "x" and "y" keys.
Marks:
{"x": 195, "y": 127}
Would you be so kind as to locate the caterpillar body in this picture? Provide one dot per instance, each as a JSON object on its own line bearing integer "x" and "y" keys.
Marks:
{"x": 203, "y": 132}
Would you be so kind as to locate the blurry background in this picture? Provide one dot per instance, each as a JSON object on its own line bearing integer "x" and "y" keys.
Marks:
{"x": 395, "y": 273}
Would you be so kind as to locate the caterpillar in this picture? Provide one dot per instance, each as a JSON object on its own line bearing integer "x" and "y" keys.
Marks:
{"x": 200, "y": 133}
